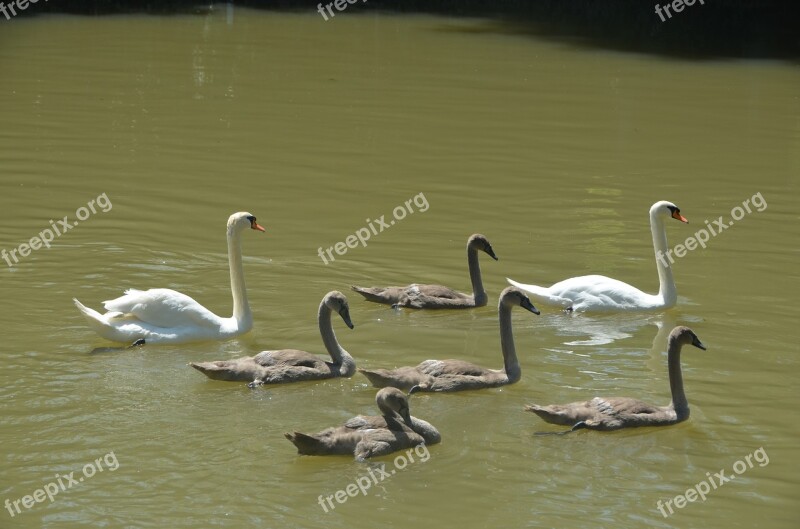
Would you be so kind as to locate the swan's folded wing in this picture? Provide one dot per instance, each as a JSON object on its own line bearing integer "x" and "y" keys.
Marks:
{"x": 289, "y": 357}
{"x": 606, "y": 293}
{"x": 280, "y": 374}
{"x": 620, "y": 412}
{"x": 438, "y": 368}
{"x": 162, "y": 307}
{"x": 434, "y": 291}
{"x": 592, "y": 292}
{"x": 365, "y": 422}
{"x": 381, "y": 442}
{"x": 621, "y": 406}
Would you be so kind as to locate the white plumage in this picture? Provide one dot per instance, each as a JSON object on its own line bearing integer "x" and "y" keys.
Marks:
{"x": 601, "y": 293}
{"x": 161, "y": 315}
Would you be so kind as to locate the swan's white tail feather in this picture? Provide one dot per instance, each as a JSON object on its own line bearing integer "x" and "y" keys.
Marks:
{"x": 541, "y": 294}
{"x": 94, "y": 318}
{"x": 531, "y": 289}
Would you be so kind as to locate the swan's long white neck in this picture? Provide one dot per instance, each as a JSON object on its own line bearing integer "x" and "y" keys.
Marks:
{"x": 679, "y": 402}
{"x": 337, "y": 352}
{"x": 666, "y": 284}
{"x": 478, "y": 293}
{"x": 510, "y": 361}
{"x": 241, "y": 308}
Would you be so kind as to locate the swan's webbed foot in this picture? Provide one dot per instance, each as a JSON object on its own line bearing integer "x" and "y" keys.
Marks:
{"x": 564, "y": 432}
{"x": 578, "y": 426}
{"x": 138, "y": 343}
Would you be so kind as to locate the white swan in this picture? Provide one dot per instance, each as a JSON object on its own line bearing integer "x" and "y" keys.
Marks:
{"x": 600, "y": 293}
{"x": 161, "y": 315}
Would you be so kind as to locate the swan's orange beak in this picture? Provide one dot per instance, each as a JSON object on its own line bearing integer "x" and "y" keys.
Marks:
{"x": 256, "y": 226}
{"x": 677, "y": 215}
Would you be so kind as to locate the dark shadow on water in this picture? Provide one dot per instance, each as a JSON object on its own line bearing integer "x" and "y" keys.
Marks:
{"x": 117, "y": 349}
{"x": 716, "y": 29}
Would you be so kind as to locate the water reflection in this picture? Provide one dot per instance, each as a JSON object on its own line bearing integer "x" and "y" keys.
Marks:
{"x": 581, "y": 329}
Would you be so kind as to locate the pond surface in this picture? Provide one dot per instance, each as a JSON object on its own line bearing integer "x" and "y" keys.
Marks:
{"x": 554, "y": 152}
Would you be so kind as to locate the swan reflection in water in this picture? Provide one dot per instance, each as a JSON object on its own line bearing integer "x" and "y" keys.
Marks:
{"x": 593, "y": 336}
{"x": 580, "y": 329}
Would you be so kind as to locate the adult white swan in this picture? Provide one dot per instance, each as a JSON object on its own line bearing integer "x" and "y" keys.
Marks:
{"x": 161, "y": 315}
{"x": 600, "y": 293}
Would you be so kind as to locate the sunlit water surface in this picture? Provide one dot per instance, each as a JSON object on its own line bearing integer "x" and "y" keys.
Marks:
{"x": 554, "y": 152}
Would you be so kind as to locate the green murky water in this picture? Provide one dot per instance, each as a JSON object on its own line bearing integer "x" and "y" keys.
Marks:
{"x": 554, "y": 152}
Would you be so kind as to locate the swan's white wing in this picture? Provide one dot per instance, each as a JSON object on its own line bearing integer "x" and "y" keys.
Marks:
{"x": 162, "y": 307}
{"x": 593, "y": 292}
{"x": 597, "y": 292}
{"x": 129, "y": 328}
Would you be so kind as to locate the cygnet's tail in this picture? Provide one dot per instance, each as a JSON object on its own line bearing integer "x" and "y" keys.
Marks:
{"x": 308, "y": 444}
{"x": 377, "y": 294}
